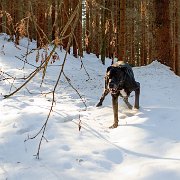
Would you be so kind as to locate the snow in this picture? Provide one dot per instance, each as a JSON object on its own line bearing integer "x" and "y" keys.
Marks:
{"x": 145, "y": 145}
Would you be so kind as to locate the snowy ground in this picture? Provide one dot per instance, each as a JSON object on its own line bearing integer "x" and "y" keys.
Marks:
{"x": 145, "y": 146}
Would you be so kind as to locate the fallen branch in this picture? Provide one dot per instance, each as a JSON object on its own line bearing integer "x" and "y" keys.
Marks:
{"x": 32, "y": 75}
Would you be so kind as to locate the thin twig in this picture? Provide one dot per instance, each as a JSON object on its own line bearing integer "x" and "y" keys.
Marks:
{"x": 89, "y": 78}
{"x": 68, "y": 80}
{"x": 33, "y": 74}
{"x": 43, "y": 128}
{"x": 26, "y": 62}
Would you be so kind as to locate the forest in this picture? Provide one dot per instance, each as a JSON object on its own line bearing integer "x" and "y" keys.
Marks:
{"x": 57, "y": 59}
{"x": 137, "y": 32}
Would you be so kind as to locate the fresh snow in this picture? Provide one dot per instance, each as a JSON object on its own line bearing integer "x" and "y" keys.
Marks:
{"x": 145, "y": 146}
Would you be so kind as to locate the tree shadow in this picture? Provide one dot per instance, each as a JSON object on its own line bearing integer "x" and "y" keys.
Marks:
{"x": 160, "y": 122}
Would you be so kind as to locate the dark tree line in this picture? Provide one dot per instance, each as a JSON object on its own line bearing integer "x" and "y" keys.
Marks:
{"x": 134, "y": 31}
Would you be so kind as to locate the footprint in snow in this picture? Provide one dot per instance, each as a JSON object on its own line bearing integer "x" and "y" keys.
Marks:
{"x": 114, "y": 155}
{"x": 95, "y": 152}
{"x": 31, "y": 100}
{"x": 67, "y": 165}
{"x": 65, "y": 148}
{"x": 22, "y": 131}
{"x": 104, "y": 164}
{"x": 123, "y": 116}
{"x": 25, "y": 130}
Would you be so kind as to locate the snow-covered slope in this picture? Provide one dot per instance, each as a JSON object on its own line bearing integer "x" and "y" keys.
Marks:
{"x": 145, "y": 145}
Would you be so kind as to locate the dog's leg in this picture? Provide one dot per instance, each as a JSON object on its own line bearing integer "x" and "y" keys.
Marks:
{"x": 115, "y": 111}
{"x": 137, "y": 93}
{"x": 125, "y": 99}
{"x": 105, "y": 93}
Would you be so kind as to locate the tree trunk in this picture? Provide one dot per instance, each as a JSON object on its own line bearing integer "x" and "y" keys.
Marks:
{"x": 143, "y": 28}
{"x": 178, "y": 37}
{"x": 121, "y": 56}
{"x": 163, "y": 50}
{"x": 79, "y": 32}
{"x": 65, "y": 20}
{"x": 9, "y": 17}
{"x": 117, "y": 17}
{"x": 41, "y": 31}
{"x": 75, "y": 53}
{"x": 87, "y": 35}
{"x": 53, "y": 17}
{"x": 1, "y": 15}
{"x": 103, "y": 35}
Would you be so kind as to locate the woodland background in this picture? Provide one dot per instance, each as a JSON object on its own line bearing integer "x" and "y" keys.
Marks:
{"x": 53, "y": 113}
{"x": 138, "y": 31}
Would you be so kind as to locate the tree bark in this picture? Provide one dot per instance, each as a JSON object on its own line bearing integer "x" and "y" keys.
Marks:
{"x": 103, "y": 35}
{"x": 143, "y": 31}
{"x": 65, "y": 20}
{"x": 1, "y": 15}
{"x": 53, "y": 17}
{"x": 163, "y": 50}
{"x": 121, "y": 54}
{"x": 41, "y": 30}
{"x": 177, "y": 50}
{"x": 87, "y": 35}
{"x": 79, "y": 33}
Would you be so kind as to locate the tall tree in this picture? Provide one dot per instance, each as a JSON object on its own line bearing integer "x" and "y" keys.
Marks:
{"x": 65, "y": 13}
{"x": 79, "y": 32}
{"x": 143, "y": 32}
{"x": 103, "y": 29}
{"x": 163, "y": 50}
{"x": 118, "y": 21}
{"x": 178, "y": 37}
{"x": 87, "y": 35}
{"x": 97, "y": 32}
{"x": 53, "y": 17}
{"x": 121, "y": 54}
{"x": 75, "y": 44}
{"x": 41, "y": 29}
{"x": 132, "y": 30}
{"x": 1, "y": 15}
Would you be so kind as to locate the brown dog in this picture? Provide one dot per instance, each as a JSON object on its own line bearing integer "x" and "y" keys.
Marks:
{"x": 119, "y": 81}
